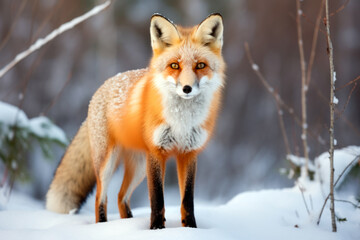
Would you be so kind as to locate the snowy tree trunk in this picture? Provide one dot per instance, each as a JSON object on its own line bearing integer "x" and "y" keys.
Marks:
{"x": 332, "y": 109}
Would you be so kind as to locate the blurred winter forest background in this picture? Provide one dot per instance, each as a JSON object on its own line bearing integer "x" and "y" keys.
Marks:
{"x": 248, "y": 149}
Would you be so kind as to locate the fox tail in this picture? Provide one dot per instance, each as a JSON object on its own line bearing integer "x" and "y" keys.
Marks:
{"x": 75, "y": 176}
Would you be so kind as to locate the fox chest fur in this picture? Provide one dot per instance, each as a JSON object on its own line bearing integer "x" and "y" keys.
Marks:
{"x": 182, "y": 128}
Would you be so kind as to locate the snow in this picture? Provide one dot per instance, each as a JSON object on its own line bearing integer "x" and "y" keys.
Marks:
{"x": 43, "y": 127}
{"x": 342, "y": 158}
{"x": 267, "y": 214}
{"x": 303, "y": 136}
{"x": 255, "y": 67}
{"x": 335, "y": 100}
{"x": 39, "y": 126}
{"x": 300, "y": 161}
{"x": 9, "y": 115}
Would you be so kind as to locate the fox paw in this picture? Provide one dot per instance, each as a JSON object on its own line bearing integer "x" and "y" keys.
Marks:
{"x": 128, "y": 211}
{"x": 157, "y": 222}
{"x": 189, "y": 221}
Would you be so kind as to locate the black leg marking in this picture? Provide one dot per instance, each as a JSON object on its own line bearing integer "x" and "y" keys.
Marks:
{"x": 128, "y": 211}
{"x": 102, "y": 213}
{"x": 157, "y": 220}
{"x": 188, "y": 200}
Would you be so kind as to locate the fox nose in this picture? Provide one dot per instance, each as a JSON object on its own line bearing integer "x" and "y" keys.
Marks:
{"x": 187, "y": 89}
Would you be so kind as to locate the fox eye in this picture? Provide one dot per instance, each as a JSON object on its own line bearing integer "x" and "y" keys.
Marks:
{"x": 174, "y": 66}
{"x": 200, "y": 65}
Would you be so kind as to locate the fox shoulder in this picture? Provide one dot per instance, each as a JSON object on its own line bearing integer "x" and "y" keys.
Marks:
{"x": 114, "y": 92}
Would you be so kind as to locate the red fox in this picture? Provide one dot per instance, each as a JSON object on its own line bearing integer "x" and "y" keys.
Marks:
{"x": 144, "y": 117}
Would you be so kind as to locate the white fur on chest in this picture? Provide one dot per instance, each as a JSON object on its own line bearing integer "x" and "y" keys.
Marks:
{"x": 165, "y": 137}
{"x": 182, "y": 128}
{"x": 183, "y": 118}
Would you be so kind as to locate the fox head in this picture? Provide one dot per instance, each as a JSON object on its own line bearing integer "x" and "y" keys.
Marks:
{"x": 187, "y": 62}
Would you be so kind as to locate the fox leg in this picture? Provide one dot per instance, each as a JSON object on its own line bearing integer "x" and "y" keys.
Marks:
{"x": 103, "y": 177}
{"x": 186, "y": 168}
{"x": 134, "y": 173}
{"x": 155, "y": 176}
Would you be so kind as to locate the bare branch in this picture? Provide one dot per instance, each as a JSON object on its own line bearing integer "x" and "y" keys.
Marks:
{"x": 346, "y": 201}
{"x": 347, "y": 101}
{"x": 278, "y": 100}
{"x": 26, "y": 80}
{"x": 303, "y": 197}
{"x": 332, "y": 111}
{"x": 304, "y": 88}
{"x": 349, "y": 83}
{"x": 283, "y": 131}
{"x": 46, "y": 19}
{"x": 269, "y": 88}
{"x": 345, "y": 169}
{"x": 51, "y": 104}
{"x": 340, "y": 8}
{"x": 337, "y": 111}
{"x": 42, "y": 41}
{"x": 314, "y": 43}
{"x": 8, "y": 34}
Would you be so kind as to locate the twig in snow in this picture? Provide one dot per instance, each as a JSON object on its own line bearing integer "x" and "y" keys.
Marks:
{"x": 3, "y": 181}
{"x": 346, "y": 201}
{"x": 332, "y": 111}
{"x": 345, "y": 169}
{"x": 42, "y": 41}
{"x": 337, "y": 180}
{"x": 311, "y": 202}
{"x": 297, "y": 214}
{"x": 304, "y": 88}
{"x": 303, "y": 197}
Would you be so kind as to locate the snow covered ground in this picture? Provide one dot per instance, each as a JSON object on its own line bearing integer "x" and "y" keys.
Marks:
{"x": 267, "y": 214}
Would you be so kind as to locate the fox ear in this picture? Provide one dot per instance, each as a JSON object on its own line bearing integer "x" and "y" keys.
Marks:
{"x": 163, "y": 33}
{"x": 210, "y": 31}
